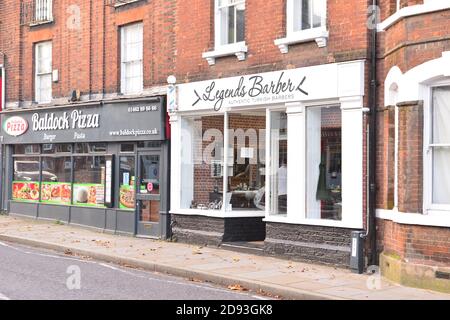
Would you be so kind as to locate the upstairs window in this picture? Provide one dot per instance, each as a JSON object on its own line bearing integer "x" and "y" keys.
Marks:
{"x": 230, "y": 21}
{"x": 43, "y": 11}
{"x": 132, "y": 80}
{"x": 43, "y": 72}
{"x": 308, "y": 14}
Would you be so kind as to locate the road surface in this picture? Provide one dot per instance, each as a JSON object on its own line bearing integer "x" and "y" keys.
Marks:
{"x": 35, "y": 274}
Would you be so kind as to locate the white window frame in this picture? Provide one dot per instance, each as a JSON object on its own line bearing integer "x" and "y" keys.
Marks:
{"x": 43, "y": 11}
{"x": 318, "y": 34}
{"x": 239, "y": 49}
{"x": 124, "y": 64}
{"x": 429, "y": 207}
{"x": 38, "y": 76}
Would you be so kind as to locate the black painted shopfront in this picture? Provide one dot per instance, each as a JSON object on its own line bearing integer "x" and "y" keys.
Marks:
{"x": 103, "y": 165}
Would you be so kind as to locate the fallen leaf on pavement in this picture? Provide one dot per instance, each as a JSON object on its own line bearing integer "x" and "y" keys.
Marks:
{"x": 237, "y": 287}
{"x": 68, "y": 252}
{"x": 236, "y": 259}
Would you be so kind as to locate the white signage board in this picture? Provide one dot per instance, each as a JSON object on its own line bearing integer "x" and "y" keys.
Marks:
{"x": 302, "y": 84}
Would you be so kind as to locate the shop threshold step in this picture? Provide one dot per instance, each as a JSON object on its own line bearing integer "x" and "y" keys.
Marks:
{"x": 244, "y": 247}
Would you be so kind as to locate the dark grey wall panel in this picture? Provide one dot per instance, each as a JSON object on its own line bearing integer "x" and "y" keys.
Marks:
{"x": 125, "y": 221}
{"x": 24, "y": 209}
{"x": 110, "y": 220}
{"x": 93, "y": 217}
{"x": 54, "y": 212}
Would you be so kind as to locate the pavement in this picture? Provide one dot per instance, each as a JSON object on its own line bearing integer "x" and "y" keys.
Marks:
{"x": 235, "y": 271}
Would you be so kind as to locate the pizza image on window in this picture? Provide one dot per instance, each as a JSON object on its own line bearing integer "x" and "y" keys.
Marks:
{"x": 127, "y": 197}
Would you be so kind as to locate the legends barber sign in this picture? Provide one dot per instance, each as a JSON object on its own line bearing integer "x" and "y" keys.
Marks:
{"x": 260, "y": 89}
{"x": 251, "y": 89}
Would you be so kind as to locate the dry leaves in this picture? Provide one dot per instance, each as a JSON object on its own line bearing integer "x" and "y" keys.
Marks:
{"x": 237, "y": 287}
{"x": 68, "y": 252}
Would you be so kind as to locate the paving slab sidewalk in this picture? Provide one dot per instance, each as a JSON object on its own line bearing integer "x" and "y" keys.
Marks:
{"x": 277, "y": 277}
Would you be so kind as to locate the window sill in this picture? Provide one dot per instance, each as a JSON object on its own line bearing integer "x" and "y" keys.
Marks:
{"x": 319, "y": 35}
{"x": 312, "y": 222}
{"x": 218, "y": 213}
{"x": 40, "y": 23}
{"x": 432, "y": 219}
{"x": 237, "y": 49}
{"x": 122, "y": 3}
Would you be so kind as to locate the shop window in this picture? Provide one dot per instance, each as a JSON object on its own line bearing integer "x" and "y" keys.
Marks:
{"x": 43, "y": 72}
{"x": 279, "y": 165}
{"x": 149, "y": 144}
{"x": 324, "y": 151}
{"x": 131, "y": 59}
{"x": 202, "y": 162}
{"x": 231, "y": 21}
{"x": 25, "y": 185}
{"x": 127, "y": 183}
{"x": 26, "y": 149}
{"x": 246, "y": 161}
{"x": 90, "y": 147}
{"x": 127, "y": 147}
{"x": 89, "y": 181}
{"x": 56, "y": 186}
{"x": 440, "y": 146}
{"x": 56, "y": 148}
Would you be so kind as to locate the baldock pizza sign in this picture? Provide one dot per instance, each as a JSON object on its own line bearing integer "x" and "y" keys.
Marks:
{"x": 15, "y": 126}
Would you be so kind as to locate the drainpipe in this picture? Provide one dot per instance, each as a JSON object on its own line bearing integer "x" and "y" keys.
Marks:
{"x": 371, "y": 223}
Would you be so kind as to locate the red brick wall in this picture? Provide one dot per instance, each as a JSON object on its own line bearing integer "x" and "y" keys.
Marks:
{"x": 385, "y": 158}
{"x": 265, "y": 22}
{"x": 408, "y": 43}
{"x": 87, "y": 57}
{"x": 415, "y": 244}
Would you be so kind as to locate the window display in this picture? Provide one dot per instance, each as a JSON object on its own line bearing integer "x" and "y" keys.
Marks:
{"x": 127, "y": 183}
{"x": 246, "y": 175}
{"x": 202, "y": 162}
{"x": 25, "y": 186}
{"x": 324, "y": 149}
{"x": 89, "y": 181}
{"x": 56, "y": 186}
{"x": 279, "y": 168}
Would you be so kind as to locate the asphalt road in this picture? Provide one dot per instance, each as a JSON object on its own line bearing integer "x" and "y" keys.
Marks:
{"x": 35, "y": 274}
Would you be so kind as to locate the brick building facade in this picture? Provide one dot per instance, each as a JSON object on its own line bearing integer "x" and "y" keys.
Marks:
{"x": 413, "y": 231}
{"x": 299, "y": 186}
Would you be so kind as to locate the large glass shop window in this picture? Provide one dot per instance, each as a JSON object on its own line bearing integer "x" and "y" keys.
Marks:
{"x": 56, "y": 186}
{"x": 25, "y": 186}
{"x": 89, "y": 181}
{"x": 202, "y": 162}
{"x": 324, "y": 174}
{"x": 279, "y": 165}
{"x": 127, "y": 183}
{"x": 246, "y": 161}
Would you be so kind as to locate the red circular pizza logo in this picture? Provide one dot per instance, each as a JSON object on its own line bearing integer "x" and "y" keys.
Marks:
{"x": 15, "y": 126}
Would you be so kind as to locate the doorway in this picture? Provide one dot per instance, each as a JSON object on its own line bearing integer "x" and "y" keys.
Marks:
{"x": 148, "y": 197}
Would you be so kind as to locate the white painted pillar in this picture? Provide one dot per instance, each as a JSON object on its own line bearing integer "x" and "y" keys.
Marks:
{"x": 352, "y": 161}
{"x": 296, "y": 165}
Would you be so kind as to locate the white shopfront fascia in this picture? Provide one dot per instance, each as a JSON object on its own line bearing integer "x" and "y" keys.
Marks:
{"x": 339, "y": 83}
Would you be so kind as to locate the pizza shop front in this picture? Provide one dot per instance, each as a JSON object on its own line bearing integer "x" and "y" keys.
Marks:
{"x": 102, "y": 165}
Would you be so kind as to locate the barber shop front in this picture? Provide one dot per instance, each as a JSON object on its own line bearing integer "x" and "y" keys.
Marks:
{"x": 103, "y": 165}
{"x": 273, "y": 161}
